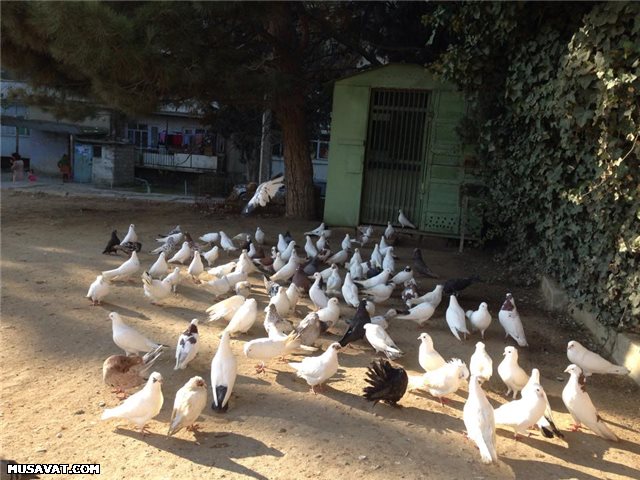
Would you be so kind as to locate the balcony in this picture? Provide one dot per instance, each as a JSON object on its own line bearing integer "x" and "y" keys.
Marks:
{"x": 177, "y": 162}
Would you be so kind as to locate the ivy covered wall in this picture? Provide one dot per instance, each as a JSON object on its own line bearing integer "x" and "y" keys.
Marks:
{"x": 555, "y": 110}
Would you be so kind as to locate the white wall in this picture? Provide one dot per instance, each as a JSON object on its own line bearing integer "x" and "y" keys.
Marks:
{"x": 44, "y": 149}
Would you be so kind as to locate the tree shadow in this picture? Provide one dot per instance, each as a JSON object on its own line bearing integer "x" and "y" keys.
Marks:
{"x": 230, "y": 445}
{"x": 124, "y": 311}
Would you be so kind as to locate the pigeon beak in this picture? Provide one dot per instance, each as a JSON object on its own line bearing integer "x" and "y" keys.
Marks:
{"x": 566, "y": 370}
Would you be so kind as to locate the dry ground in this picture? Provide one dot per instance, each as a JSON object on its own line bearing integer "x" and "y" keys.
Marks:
{"x": 54, "y": 343}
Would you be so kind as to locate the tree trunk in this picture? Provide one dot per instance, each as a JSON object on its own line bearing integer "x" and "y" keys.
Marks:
{"x": 298, "y": 169}
{"x": 289, "y": 108}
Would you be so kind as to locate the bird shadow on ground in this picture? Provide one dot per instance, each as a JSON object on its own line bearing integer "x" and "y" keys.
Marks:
{"x": 127, "y": 312}
{"x": 522, "y": 469}
{"x": 234, "y": 445}
{"x": 448, "y": 402}
{"x": 591, "y": 448}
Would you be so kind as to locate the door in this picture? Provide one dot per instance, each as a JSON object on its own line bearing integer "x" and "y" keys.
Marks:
{"x": 82, "y": 163}
{"x": 394, "y": 155}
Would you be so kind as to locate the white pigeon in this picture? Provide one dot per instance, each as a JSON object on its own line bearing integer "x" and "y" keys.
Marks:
{"x": 380, "y": 293}
{"x": 481, "y": 364}
{"x": 287, "y": 271}
{"x": 334, "y": 282}
{"x": 317, "y": 370}
{"x": 226, "y": 243}
{"x": 321, "y": 243}
{"x": 267, "y": 348}
{"x": 155, "y": 290}
{"x": 278, "y": 263}
{"x": 350, "y": 291}
{"x": 510, "y": 321}
{"x": 316, "y": 294}
{"x": 512, "y": 374}
{"x": 225, "y": 309}
{"x": 521, "y": 414}
{"x": 224, "y": 368}
{"x": 419, "y": 314}
{"x": 381, "y": 341}
{"x": 326, "y": 273}
{"x": 245, "y": 264}
{"x": 129, "y": 339}
{"x": 480, "y": 319}
{"x": 244, "y": 318}
{"x": 356, "y": 257}
{"x": 545, "y": 423}
{"x": 242, "y": 288}
{"x": 330, "y": 314}
{"x": 434, "y": 297}
{"x": 160, "y": 267}
{"x": 196, "y": 268}
{"x": 264, "y": 193}
{"x": 281, "y": 301}
{"x": 383, "y": 247}
{"x": 388, "y": 263}
{"x": 98, "y": 290}
{"x": 346, "y": 242}
{"x": 428, "y": 358}
{"x": 259, "y": 236}
{"x": 310, "y": 249}
{"x": 356, "y": 271}
{"x": 590, "y": 362}
{"x": 125, "y": 270}
{"x": 444, "y": 380}
{"x": 479, "y": 421}
{"x": 338, "y": 258}
{"x": 318, "y": 231}
{"x": 212, "y": 255}
{"x": 182, "y": 255}
{"x": 188, "y": 346}
{"x": 403, "y": 275}
{"x": 222, "y": 270}
{"x": 380, "y": 279}
{"x": 282, "y": 243}
{"x": 142, "y": 406}
{"x": 580, "y": 406}
{"x": 456, "y": 318}
{"x": 131, "y": 236}
{"x": 213, "y": 237}
{"x": 376, "y": 256}
{"x": 383, "y": 320}
{"x": 188, "y": 405}
{"x": 293, "y": 294}
{"x": 288, "y": 252}
{"x": 226, "y": 284}
{"x": 389, "y": 231}
{"x": 174, "y": 278}
{"x": 404, "y": 221}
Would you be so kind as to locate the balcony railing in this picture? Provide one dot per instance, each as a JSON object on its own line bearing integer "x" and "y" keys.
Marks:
{"x": 150, "y": 158}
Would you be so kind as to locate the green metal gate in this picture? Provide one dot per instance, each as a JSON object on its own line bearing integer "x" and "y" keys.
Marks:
{"x": 394, "y": 155}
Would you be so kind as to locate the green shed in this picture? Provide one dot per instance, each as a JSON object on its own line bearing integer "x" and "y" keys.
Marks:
{"x": 394, "y": 146}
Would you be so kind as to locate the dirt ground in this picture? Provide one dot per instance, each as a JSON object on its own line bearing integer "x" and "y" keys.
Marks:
{"x": 54, "y": 343}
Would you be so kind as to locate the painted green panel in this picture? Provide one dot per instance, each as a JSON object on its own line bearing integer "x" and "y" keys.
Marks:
{"x": 448, "y": 173}
{"x": 443, "y": 198}
{"x": 445, "y": 158}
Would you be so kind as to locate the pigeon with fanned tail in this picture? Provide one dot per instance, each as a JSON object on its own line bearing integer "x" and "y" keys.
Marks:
{"x": 386, "y": 383}
{"x": 590, "y": 362}
{"x": 420, "y": 266}
{"x": 580, "y": 406}
{"x": 124, "y": 372}
{"x": 142, "y": 406}
{"x": 509, "y": 318}
{"x": 188, "y": 405}
{"x": 188, "y": 346}
{"x": 224, "y": 369}
{"x": 98, "y": 290}
{"x": 156, "y": 290}
{"x": 124, "y": 271}
{"x": 404, "y": 221}
{"x": 264, "y": 194}
{"x": 113, "y": 241}
{"x": 479, "y": 421}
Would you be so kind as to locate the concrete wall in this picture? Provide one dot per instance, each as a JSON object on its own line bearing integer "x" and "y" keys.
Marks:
{"x": 44, "y": 149}
{"x": 115, "y": 167}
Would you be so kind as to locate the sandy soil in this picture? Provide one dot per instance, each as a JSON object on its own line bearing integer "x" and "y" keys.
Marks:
{"x": 54, "y": 343}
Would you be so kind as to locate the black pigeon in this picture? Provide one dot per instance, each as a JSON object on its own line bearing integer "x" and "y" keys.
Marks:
{"x": 128, "y": 247}
{"x": 356, "y": 329}
{"x": 113, "y": 242}
{"x": 421, "y": 267}
{"x": 386, "y": 383}
{"x": 287, "y": 237}
{"x": 455, "y": 285}
{"x": 372, "y": 271}
{"x": 313, "y": 266}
